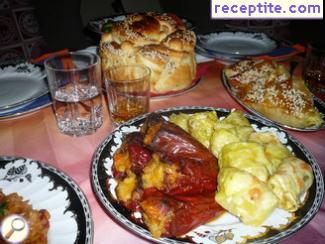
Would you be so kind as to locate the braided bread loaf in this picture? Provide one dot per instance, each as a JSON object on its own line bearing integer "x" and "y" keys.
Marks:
{"x": 158, "y": 41}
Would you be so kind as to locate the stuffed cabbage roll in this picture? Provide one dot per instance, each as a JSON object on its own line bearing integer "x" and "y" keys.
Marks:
{"x": 275, "y": 151}
{"x": 238, "y": 122}
{"x": 234, "y": 128}
{"x": 291, "y": 180}
{"x": 247, "y": 156}
{"x": 201, "y": 126}
{"x": 222, "y": 137}
{"x": 181, "y": 120}
{"x": 245, "y": 196}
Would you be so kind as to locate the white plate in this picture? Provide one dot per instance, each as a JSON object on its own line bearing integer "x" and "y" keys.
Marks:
{"x": 237, "y": 44}
{"x": 45, "y": 187}
{"x": 228, "y": 228}
{"x": 21, "y": 84}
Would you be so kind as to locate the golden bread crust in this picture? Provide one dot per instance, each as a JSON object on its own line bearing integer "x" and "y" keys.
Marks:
{"x": 157, "y": 41}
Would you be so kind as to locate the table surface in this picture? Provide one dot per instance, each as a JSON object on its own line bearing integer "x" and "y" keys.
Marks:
{"x": 36, "y": 136}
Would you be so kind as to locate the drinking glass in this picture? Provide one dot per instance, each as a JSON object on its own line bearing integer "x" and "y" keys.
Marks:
{"x": 314, "y": 70}
{"x": 128, "y": 91}
{"x": 74, "y": 81}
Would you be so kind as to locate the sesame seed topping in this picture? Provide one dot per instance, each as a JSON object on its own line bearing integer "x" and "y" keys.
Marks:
{"x": 262, "y": 85}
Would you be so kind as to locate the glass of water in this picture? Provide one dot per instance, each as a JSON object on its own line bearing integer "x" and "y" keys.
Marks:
{"x": 75, "y": 85}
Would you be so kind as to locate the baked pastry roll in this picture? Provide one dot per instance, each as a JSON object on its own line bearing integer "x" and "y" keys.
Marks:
{"x": 245, "y": 196}
{"x": 291, "y": 180}
{"x": 268, "y": 88}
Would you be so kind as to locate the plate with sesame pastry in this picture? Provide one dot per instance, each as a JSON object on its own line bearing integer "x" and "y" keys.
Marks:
{"x": 267, "y": 89}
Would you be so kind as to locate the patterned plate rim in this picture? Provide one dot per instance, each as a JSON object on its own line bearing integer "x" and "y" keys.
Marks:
{"x": 140, "y": 231}
{"x": 89, "y": 231}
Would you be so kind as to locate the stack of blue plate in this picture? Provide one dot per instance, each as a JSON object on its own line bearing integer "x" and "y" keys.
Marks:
{"x": 23, "y": 89}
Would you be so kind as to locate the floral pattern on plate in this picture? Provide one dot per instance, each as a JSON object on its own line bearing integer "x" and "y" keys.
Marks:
{"x": 45, "y": 187}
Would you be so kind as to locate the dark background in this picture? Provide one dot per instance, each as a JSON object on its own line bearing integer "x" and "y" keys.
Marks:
{"x": 29, "y": 28}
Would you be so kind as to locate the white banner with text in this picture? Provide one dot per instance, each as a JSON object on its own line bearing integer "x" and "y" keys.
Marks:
{"x": 261, "y": 9}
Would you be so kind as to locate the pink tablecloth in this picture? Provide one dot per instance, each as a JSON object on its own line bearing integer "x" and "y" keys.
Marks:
{"x": 36, "y": 136}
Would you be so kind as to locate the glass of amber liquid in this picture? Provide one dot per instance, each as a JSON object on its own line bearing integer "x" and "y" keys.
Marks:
{"x": 128, "y": 92}
{"x": 314, "y": 69}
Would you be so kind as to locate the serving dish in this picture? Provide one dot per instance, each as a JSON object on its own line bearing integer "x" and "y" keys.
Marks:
{"x": 319, "y": 104}
{"x": 226, "y": 227}
{"x": 96, "y": 25}
{"x": 45, "y": 187}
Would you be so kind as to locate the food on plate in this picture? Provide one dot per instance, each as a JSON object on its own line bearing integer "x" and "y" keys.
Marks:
{"x": 158, "y": 41}
{"x": 268, "y": 88}
{"x": 291, "y": 180}
{"x": 274, "y": 150}
{"x": 257, "y": 173}
{"x": 245, "y": 196}
{"x": 199, "y": 125}
{"x": 176, "y": 215}
{"x": 212, "y": 132}
{"x": 168, "y": 176}
{"x": 234, "y": 128}
{"x": 38, "y": 220}
{"x": 172, "y": 177}
{"x": 246, "y": 156}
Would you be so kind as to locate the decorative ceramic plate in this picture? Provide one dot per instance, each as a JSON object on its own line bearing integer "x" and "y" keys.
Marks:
{"x": 45, "y": 187}
{"x": 226, "y": 228}
{"x": 319, "y": 104}
{"x": 21, "y": 84}
{"x": 97, "y": 25}
{"x": 234, "y": 45}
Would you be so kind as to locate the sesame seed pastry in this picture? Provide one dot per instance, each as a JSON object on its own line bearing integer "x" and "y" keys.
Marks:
{"x": 158, "y": 41}
{"x": 268, "y": 88}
